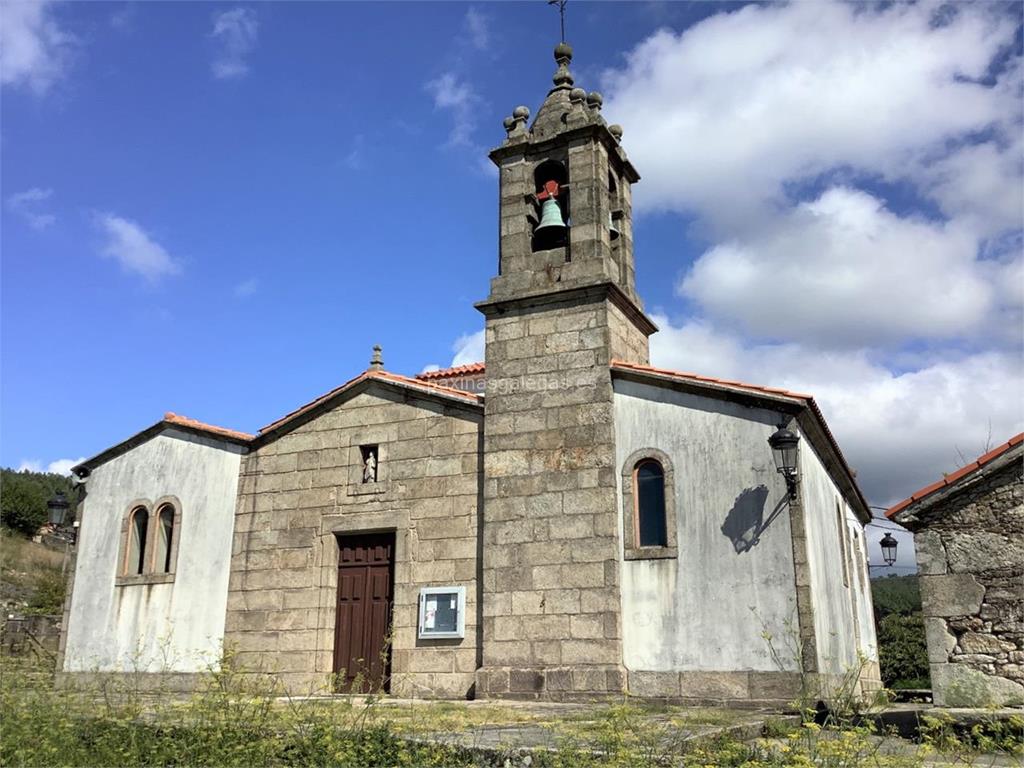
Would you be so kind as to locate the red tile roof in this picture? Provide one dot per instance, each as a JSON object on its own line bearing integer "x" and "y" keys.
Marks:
{"x": 806, "y": 400}
{"x": 471, "y": 369}
{"x": 708, "y": 380}
{"x": 423, "y": 386}
{"x": 185, "y": 421}
{"x": 955, "y": 477}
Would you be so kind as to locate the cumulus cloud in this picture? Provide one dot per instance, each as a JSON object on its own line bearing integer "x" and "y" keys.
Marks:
{"x": 235, "y": 33}
{"x": 750, "y": 101}
{"x": 58, "y": 467}
{"x": 900, "y": 427}
{"x": 468, "y": 348}
{"x": 133, "y": 248}
{"x": 35, "y": 50}
{"x": 453, "y": 94}
{"x": 853, "y": 273}
{"x": 28, "y": 205}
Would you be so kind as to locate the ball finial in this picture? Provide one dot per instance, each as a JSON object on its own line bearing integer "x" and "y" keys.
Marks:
{"x": 577, "y": 95}
{"x": 595, "y": 99}
{"x": 521, "y": 112}
{"x": 563, "y": 51}
{"x": 616, "y": 131}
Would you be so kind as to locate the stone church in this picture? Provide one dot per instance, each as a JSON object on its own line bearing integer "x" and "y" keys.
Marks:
{"x": 561, "y": 521}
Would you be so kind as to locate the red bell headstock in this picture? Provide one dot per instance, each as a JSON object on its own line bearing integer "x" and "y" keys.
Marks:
{"x": 550, "y": 190}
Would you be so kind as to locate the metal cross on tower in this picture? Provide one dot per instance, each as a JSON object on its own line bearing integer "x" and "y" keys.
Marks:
{"x": 561, "y": 13}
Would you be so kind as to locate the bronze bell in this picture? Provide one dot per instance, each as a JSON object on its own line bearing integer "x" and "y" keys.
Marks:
{"x": 550, "y": 217}
{"x": 613, "y": 231}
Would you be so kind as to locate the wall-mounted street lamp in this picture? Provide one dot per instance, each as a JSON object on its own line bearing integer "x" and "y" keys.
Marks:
{"x": 784, "y": 450}
{"x": 888, "y": 545}
{"x": 57, "y": 508}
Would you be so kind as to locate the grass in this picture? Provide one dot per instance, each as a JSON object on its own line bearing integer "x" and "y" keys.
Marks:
{"x": 240, "y": 719}
{"x": 30, "y": 574}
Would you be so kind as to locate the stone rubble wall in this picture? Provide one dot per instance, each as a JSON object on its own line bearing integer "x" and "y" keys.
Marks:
{"x": 970, "y": 553}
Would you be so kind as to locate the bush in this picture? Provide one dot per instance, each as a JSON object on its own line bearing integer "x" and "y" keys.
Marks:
{"x": 902, "y": 651}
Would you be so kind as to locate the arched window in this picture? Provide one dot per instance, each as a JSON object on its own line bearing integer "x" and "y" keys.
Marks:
{"x": 649, "y": 523}
{"x": 164, "y": 540}
{"x": 138, "y": 525}
{"x": 649, "y": 493}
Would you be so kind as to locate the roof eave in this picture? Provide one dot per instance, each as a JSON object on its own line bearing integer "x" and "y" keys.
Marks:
{"x": 410, "y": 386}
{"x": 790, "y": 403}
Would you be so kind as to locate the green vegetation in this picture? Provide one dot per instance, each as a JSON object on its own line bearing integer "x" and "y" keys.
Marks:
{"x": 902, "y": 650}
{"x": 23, "y": 497}
{"x": 30, "y": 575}
{"x": 239, "y": 719}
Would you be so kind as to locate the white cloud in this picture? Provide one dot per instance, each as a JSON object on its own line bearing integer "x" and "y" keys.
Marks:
{"x": 34, "y": 50}
{"x": 456, "y": 96}
{"x": 843, "y": 270}
{"x": 476, "y": 27}
{"x": 900, "y": 429}
{"x": 247, "y": 287}
{"x": 236, "y": 32}
{"x": 58, "y": 467}
{"x": 750, "y": 101}
{"x": 468, "y": 348}
{"x": 130, "y": 245}
{"x": 27, "y": 205}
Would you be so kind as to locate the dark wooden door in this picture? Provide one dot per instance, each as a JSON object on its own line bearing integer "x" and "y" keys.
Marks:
{"x": 362, "y": 650}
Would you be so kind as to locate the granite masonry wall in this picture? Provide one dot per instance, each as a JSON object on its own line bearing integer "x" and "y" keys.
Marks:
{"x": 970, "y": 554}
{"x": 299, "y": 491}
{"x": 552, "y": 625}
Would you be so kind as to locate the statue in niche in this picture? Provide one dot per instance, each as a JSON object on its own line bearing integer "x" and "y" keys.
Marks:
{"x": 370, "y": 467}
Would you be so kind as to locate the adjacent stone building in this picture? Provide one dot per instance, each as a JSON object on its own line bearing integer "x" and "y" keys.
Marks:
{"x": 969, "y": 536}
{"x": 560, "y": 521}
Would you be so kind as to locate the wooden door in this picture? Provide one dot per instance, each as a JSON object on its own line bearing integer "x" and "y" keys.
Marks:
{"x": 361, "y": 644}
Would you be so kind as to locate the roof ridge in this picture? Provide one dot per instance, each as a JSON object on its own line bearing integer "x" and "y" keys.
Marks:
{"x": 710, "y": 379}
{"x": 950, "y": 479}
{"x": 176, "y": 418}
{"x": 445, "y": 373}
{"x": 366, "y": 376}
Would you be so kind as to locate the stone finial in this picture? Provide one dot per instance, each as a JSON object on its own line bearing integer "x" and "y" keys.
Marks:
{"x": 563, "y": 55}
{"x": 377, "y": 361}
{"x": 595, "y": 100}
{"x": 516, "y": 124}
{"x": 577, "y": 95}
{"x": 616, "y": 131}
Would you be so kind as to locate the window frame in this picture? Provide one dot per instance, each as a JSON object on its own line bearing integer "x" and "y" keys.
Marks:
{"x": 631, "y": 508}
{"x": 125, "y": 575}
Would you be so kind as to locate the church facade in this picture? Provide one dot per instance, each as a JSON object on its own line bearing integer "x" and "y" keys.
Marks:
{"x": 560, "y": 521}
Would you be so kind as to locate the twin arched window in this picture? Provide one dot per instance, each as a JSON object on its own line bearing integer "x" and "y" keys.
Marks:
{"x": 149, "y": 544}
{"x": 649, "y": 518}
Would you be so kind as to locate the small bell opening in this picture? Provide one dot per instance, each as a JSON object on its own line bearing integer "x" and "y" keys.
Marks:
{"x": 552, "y": 230}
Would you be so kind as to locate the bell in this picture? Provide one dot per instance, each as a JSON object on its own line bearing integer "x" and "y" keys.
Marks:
{"x": 613, "y": 231}
{"x": 550, "y": 217}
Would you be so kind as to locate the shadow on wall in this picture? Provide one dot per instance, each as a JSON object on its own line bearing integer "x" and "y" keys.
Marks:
{"x": 746, "y": 521}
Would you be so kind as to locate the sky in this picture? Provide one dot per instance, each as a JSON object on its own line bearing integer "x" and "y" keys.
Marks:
{"x": 218, "y": 209}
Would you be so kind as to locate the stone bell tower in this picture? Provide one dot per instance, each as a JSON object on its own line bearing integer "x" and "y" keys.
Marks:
{"x": 562, "y": 306}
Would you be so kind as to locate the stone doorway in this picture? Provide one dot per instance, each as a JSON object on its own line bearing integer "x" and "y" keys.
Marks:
{"x": 362, "y": 645}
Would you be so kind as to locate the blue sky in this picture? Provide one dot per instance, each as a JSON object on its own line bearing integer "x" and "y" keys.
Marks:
{"x": 217, "y": 209}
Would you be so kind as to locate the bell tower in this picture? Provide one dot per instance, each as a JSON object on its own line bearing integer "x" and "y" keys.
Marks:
{"x": 565, "y": 207}
{"x": 562, "y": 306}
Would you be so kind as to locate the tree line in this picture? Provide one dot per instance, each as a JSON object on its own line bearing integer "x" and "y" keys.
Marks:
{"x": 23, "y": 497}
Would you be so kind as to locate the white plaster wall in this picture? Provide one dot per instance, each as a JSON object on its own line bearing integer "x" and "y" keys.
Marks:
{"x": 694, "y": 613}
{"x": 178, "y": 626}
{"x": 842, "y": 614}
